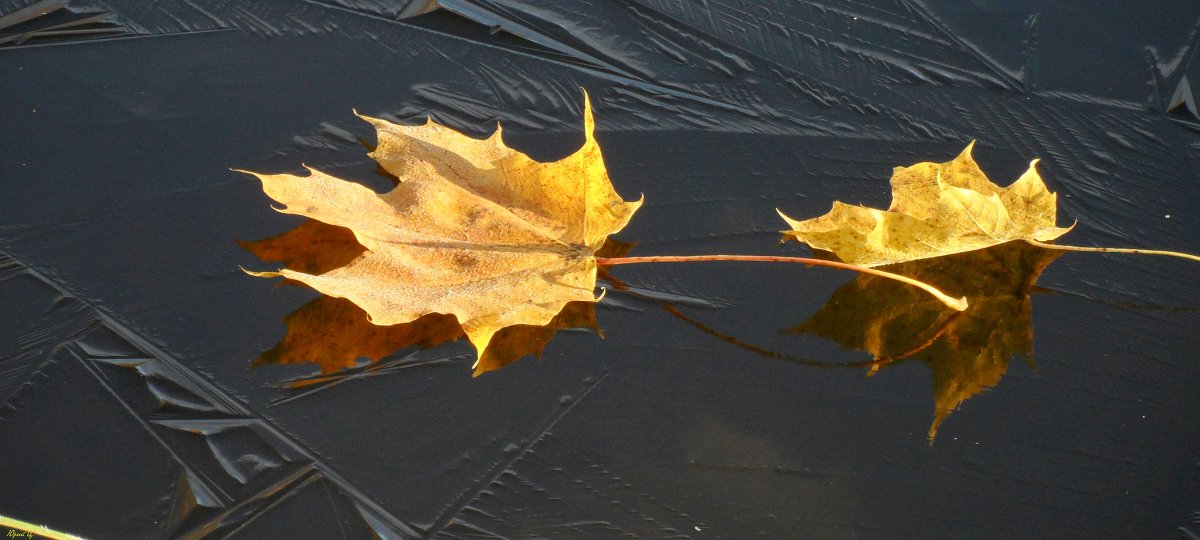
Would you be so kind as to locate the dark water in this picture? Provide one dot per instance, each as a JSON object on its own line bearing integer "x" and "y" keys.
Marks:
{"x": 127, "y": 329}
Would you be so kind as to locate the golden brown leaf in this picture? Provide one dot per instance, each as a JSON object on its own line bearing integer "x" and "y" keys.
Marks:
{"x": 474, "y": 229}
{"x": 968, "y": 352}
{"x": 937, "y": 209}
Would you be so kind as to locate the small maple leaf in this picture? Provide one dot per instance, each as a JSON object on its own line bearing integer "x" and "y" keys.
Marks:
{"x": 937, "y": 209}
{"x": 474, "y": 229}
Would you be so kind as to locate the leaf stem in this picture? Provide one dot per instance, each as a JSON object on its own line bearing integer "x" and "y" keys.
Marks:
{"x": 958, "y": 304}
{"x": 1112, "y": 250}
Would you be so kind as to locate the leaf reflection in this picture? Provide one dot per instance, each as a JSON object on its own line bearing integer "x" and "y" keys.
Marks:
{"x": 334, "y": 334}
{"x": 968, "y": 352}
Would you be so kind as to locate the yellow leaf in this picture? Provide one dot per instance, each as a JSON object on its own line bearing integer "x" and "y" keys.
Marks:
{"x": 474, "y": 229}
{"x": 937, "y": 209}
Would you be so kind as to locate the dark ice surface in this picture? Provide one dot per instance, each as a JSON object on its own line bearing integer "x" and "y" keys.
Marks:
{"x": 128, "y": 408}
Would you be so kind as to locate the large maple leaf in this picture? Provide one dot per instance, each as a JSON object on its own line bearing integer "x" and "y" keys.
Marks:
{"x": 474, "y": 229}
{"x": 937, "y": 209}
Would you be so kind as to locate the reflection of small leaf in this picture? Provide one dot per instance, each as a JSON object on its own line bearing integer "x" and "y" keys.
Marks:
{"x": 969, "y": 351}
{"x": 474, "y": 229}
{"x": 937, "y": 209}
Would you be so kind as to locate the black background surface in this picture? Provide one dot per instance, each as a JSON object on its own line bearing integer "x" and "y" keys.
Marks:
{"x": 128, "y": 410}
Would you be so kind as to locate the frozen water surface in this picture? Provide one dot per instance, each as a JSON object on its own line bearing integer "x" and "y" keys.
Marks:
{"x": 128, "y": 408}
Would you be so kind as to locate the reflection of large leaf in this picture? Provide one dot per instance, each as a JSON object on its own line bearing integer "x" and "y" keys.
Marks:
{"x": 968, "y": 351}
{"x": 937, "y": 209}
{"x": 474, "y": 229}
{"x": 334, "y": 333}
{"x": 312, "y": 248}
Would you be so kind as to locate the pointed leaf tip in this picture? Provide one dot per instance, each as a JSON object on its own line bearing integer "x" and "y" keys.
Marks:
{"x": 589, "y": 122}
{"x": 266, "y": 274}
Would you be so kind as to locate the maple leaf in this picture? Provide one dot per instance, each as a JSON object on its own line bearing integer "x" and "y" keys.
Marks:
{"x": 937, "y": 209}
{"x": 967, "y": 351}
{"x": 474, "y": 229}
